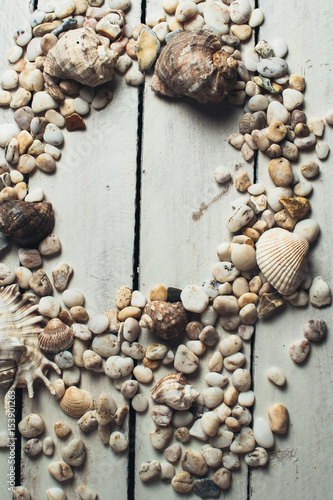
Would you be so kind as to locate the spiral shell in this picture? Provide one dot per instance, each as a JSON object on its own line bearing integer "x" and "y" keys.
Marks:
{"x": 27, "y": 223}
{"x": 281, "y": 258}
{"x": 174, "y": 391}
{"x": 166, "y": 319}
{"x": 193, "y": 64}
{"x": 81, "y": 56}
{"x": 76, "y": 402}
{"x": 56, "y": 337}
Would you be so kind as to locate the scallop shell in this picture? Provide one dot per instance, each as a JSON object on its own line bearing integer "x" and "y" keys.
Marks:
{"x": 281, "y": 258}
{"x": 174, "y": 391}
{"x": 21, "y": 360}
{"x": 81, "y": 56}
{"x": 193, "y": 64}
{"x": 76, "y": 402}
{"x": 166, "y": 319}
{"x": 56, "y": 337}
{"x": 28, "y": 223}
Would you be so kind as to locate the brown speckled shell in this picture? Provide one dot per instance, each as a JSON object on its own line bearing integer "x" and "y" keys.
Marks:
{"x": 56, "y": 337}
{"x": 168, "y": 319}
{"x": 193, "y": 64}
{"x": 28, "y": 223}
{"x": 81, "y": 56}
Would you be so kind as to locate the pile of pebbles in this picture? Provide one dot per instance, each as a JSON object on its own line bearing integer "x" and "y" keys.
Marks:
{"x": 236, "y": 295}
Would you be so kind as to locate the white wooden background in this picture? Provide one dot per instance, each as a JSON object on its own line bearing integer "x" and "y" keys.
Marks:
{"x": 183, "y": 217}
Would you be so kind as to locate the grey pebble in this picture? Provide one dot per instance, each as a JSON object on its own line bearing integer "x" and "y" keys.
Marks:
{"x": 205, "y": 488}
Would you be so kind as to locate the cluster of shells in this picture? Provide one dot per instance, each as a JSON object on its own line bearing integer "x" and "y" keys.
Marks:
{"x": 258, "y": 271}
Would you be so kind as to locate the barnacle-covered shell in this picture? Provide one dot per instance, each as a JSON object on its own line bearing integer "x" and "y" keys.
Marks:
{"x": 56, "y": 336}
{"x": 166, "y": 319}
{"x": 281, "y": 258}
{"x": 174, "y": 391}
{"x": 193, "y": 64}
{"x": 28, "y": 223}
{"x": 81, "y": 56}
{"x": 21, "y": 360}
{"x": 76, "y": 402}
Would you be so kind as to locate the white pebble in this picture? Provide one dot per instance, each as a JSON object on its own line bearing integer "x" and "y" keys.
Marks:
{"x": 216, "y": 379}
{"x": 9, "y": 79}
{"x": 258, "y": 103}
{"x": 212, "y": 396}
{"x": 262, "y": 433}
{"x": 134, "y": 77}
{"x": 299, "y": 350}
{"x": 35, "y": 195}
{"x": 322, "y": 150}
{"x": 320, "y": 292}
{"x": 308, "y": 229}
{"x": 292, "y": 98}
{"x": 55, "y": 494}
{"x": 256, "y": 18}
{"x": 72, "y": 298}
{"x": 280, "y": 47}
{"x": 98, "y": 323}
{"x": 246, "y": 398}
{"x": 194, "y": 299}
{"x": 14, "y": 54}
{"x": 118, "y": 442}
{"x": 222, "y": 175}
{"x": 81, "y": 106}
{"x": 143, "y": 374}
{"x": 276, "y": 375}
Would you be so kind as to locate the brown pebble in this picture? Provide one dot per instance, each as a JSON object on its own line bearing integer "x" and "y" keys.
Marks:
{"x": 65, "y": 317}
{"x": 284, "y": 220}
{"x": 302, "y": 130}
{"x": 278, "y": 418}
{"x": 79, "y": 314}
{"x": 193, "y": 329}
{"x": 130, "y": 49}
{"x": 159, "y": 292}
{"x": 123, "y": 297}
{"x": 182, "y": 434}
{"x": 296, "y": 207}
{"x": 315, "y": 330}
{"x": 242, "y": 182}
{"x": 69, "y": 87}
{"x": 153, "y": 365}
{"x": 297, "y": 82}
{"x": 274, "y": 151}
{"x": 74, "y": 122}
{"x": 129, "y": 312}
{"x": 280, "y": 172}
{"x": 250, "y": 233}
{"x": 62, "y": 429}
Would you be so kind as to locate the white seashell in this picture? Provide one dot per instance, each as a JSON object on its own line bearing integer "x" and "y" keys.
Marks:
{"x": 281, "y": 258}
{"x": 174, "y": 390}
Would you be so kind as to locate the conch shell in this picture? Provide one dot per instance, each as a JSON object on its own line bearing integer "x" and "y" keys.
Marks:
{"x": 56, "y": 337}
{"x": 79, "y": 55}
{"x": 194, "y": 64}
{"x": 76, "y": 402}
{"x": 28, "y": 223}
{"x": 281, "y": 258}
{"x": 174, "y": 391}
{"x": 166, "y": 319}
{"x": 19, "y": 331}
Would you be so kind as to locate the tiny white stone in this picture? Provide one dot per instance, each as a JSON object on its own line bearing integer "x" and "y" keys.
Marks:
{"x": 97, "y": 323}
{"x": 185, "y": 360}
{"x": 71, "y": 376}
{"x": 256, "y": 189}
{"x": 274, "y": 195}
{"x": 216, "y": 379}
{"x": 272, "y": 67}
{"x": 292, "y": 98}
{"x": 14, "y": 54}
{"x": 257, "y": 458}
{"x": 9, "y": 79}
{"x": 240, "y": 11}
{"x": 42, "y": 101}
{"x": 143, "y": 374}
{"x": 246, "y": 398}
{"x": 194, "y": 298}
{"x": 222, "y": 439}
{"x": 256, "y": 18}
{"x": 137, "y": 299}
{"x": 258, "y": 103}
{"x": 262, "y": 433}
{"x": 276, "y": 111}
{"x": 123, "y": 63}
{"x": 212, "y": 396}
{"x": 241, "y": 215}
{"x": 322, "y": 150}
{"x": 35, "y": 195}
{"x": 185, "y": 10}
{"x": 54, "y": 152}
{"x": 308, "y": 229}
{"x": 116, "y": 367}
{"x": 182, "y": 418}
{"x": 34, "y": 49}
{"x": 303, "y": 188}
{"x": 118, "y": 442}
{"x": 276, "y": 375}
{"x": 280, "y": 47}
{"x": 81, "y": 106}
{"x": 320, "y": 292}
{"x": 134, "y": 77}
{"x": 72, "y": 298}
{"x": 222, "y": 175}
{"x": 55, "y": 494}
{"x": 197, "y": 432}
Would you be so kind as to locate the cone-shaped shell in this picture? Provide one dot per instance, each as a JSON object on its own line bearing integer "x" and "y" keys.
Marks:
{"x": 28, "y": 223}
{"x": 56, "y": 336}
{"x": 193, "y": 64}
{"x": 76, "y": 402}
{"x": 281, "y": 258}
{"x": 174, "y": 391}
{"x": 81, "y": 56}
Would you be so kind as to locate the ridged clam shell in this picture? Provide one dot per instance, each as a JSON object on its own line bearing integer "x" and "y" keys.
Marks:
{"x": 281, "y": 258}
{"x": 81, "y": 56}
{"x": 56, "y": 337}
{"x": 76, "y": 402}
{"x": 193, "y": 64}
{"x": 175, "y": 391}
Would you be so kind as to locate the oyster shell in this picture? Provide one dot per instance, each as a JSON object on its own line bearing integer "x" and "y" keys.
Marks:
{"x": 166, "y": 319}
{"x": 56, "y": 337}
{"x": 27, "y": 223}
{"x": 281, "y": 258}
{"x": 76, "y": 402}
{"x": 193, "y": 64}
{"x": 174, "y": 391}
{"x": 79, "y": 55}
{"x": 21, "y": 360}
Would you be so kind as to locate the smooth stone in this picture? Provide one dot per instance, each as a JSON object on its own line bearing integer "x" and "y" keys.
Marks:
{"x": 276, "y": 375}
{"x": 53, "y": 135}
{"x": 45, "y": 162}
{"x": 278, "y": 418}
{"x": 303, "y": 188}
{"x": 244, "y": 442}
{"x": 64, "y": 360}
{"x": 262, "y": 433}
{"x": 322, "y": 150}
{"x": 251, "y": 60}
{"x": 299, "y": 350}
{"x": 134, "y": 77}
{"x": 280, "y": 47}
{"x": 264, "y": 49}
{"x": 23, "y": 276}
{"x": 272, "y": 67}
{"x": 42, "y": 101}
{"x": 53, "y": 116}
{"x": 34, "y": 49}
{"x": 72, "y": 298}
{"x": 315, "y": 330}
{"x": 276, "y": 111}
{"x": 242, "y": 31}
{"x": 280, "y": 172}
{"x": 274, "y": 196}
{"x": 98, "y": 323}
{"x": 5, "y": 97}
{"x": 320, "y": 292}
{"x": 185, "y": 360}
{"x": 49, "y": 306}
{"x": 292, "y": 99}
{"x": 206, "y": 488}
{"x": 257, "y": 458}
{"x": 52, "y": 151}
{"x": 258, "y": 103}
{"x": 9, "y": 79}
{"x": 14, "y": 54}
{"x": 194, "y": 298}
{"x": 305, "y": 142}
{"x": 308, "y": 229}
{"x": 241, "y": 215}
{"x": 64, "y": 8}
{"x": 222, "y": 175}
{"x": 246, "y": 398}
{"x": 256, "y": 18}
{"x": 316, "y": 126}
{"x": 23, "y": 36}
{"x": 29, "y": 257}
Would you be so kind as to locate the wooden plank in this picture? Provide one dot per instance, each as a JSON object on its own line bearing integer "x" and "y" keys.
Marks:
{"x": 298, "y": 463}
{"x": 93, "y": 195}
{"x": 183, "y": 220}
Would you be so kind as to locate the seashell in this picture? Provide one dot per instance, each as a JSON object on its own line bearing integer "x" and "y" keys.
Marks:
{"x": 175, "y": 391}
{"x": 193, "y": 64}
{"x": 166, "y": 319}
{"x": 28, "y": 223}
{"x": 281, "y": 258}
{"x": 79, "y": 55}
{"x": 21, "y": 360}
{"x": 76, "y": 402}
{"x": 56, "y": 336}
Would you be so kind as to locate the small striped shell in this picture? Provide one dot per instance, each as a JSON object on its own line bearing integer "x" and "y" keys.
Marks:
{"x": 56, "y": 337}
{"x": 281, "y": 258}
{"x": 76, "y": 402}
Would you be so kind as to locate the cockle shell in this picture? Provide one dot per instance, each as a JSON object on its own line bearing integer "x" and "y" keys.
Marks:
{"x": 56, "y": 336}
{"x": 174, "y": 391}
{"x": 28, "y": 223}
{"x": 76, "y": 402}
{"x": 19, "y": 331}
{"x": 166, "y": 319}
{"x": 79, "y": 55}
{"x": 281, "y": 258}
{"x": 193, "y": 64}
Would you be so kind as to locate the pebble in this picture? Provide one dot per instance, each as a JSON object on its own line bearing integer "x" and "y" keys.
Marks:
{"x": 42, "y": 101}
{"x": 9, "y": 79}
{"x": 194, "y": 463}
{"x": 278, "y": 418}
{"x": 208, "y": 335}
{"x": 222, "y": 175}
{"x": 105, "y": 345}
{"x": 64, "y": 360}
{"x": 206, "y": 488}
{"x": 150, "y": 469}
{"x": 320, "y": 292}
{"x": 241, "y": 380}
{"x": 62, "y": 429}
{"x": 14, "y": 54}
{"x": 305, "y": 142}
{"x": 316, "y": 126}
{"x": 230, "y": 460}
{"x": 299, "y": 350}
{"x": 222, "y": 477}
{"x": 29, "y": 257}
{"x": 53, "y": 135}
{"x": 245, "y": 332}
{"x": 276, "y": 375}
{"x": 78, "y": 313}
{"x": 315, "y": 330}
{"x": 7, "y": 275}
{"x": 60, "y": 471}
{"x": 241, "y": 216}
{"x": 52, "y": 116}
{"x": 20, "y": 493}
{"x": 49, "y": 245}
{"x": 117, "y": 367}
{"x": 272, "y": 67}
{"x": 48, "y": 446}
{"x": 212, "y": 456}
{"x": 5, "y": 97}
{"x": 185, "y": 360}
{"x": 71, "y": 376}
{"x": 244, "y": 441}
{"x": 72, "y": 298}
{"x": 118, "y": 442}
{"x": 23, "y": 276}
{"x": 236, "y": 140}
{"x": 40, "y": 283}
{"x": 230, "y": 345}
{"x": 33, "y": 447}
{"x": 98, "y": 323}
{"x": 59, "y": 387}
{"x": 86, "y": 493}
{"x": 308, "y": 229}
{"x": 322, "y": 150}
{"x": 242, "y": 31}
{"x": 276, "y": 111}
{"x": 182, "y": 418}
{"x": 182, "y": 482}
{"x": 185, "y": 10}
{"x": 172, "y": 453}
{"x": 292, "y": 99}
{"x": 274, "y": 196}
{"x": 194, "y": 299}
{"x": 160, "y": 437}
{"x": 134, "y": 77}
{"x": 262, "y": 433}
{"x": 210, "y": 423}
{"x": 212, "y": 396}
{"x": 256, "y": 18}
{"x": 280, "y": 171}
{"x": 31, "y": 426}
{"x": 182, "y": 434}
{"x": 246, "y": 398}
{"x": 61, "y": 273}
{"x": 257, "y": 458}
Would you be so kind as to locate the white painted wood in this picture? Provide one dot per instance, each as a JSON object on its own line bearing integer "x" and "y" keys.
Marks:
{"x": 298, "y": 463}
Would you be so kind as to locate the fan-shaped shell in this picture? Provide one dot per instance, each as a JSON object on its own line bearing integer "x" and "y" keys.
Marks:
{"x": 56, "y": 336}
{"x": 281, "y": 258}
{"x": 81, "y": 56}
{"x": 76, "y": 402}
{"x": 193, "y": 64}
{"x": 28, "y": 223}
